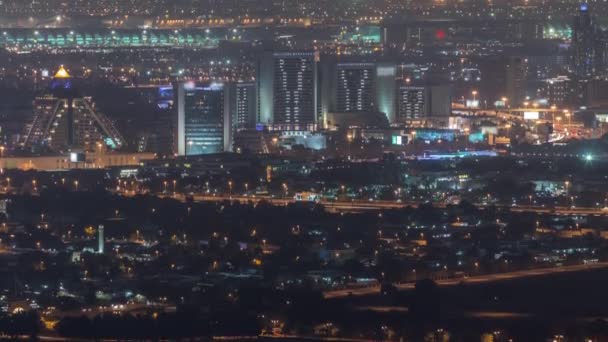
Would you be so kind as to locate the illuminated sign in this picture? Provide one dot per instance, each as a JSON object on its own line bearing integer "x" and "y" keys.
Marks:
{"x": 386, "y": 71}
{"x": 531, "y": 115}
{"x": 472, "y": 103}
{"x": 76, "y": 157}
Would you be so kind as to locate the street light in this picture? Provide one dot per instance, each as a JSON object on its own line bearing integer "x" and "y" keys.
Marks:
{"x": 505, "y": 101}
{"x": 349, "y": 138}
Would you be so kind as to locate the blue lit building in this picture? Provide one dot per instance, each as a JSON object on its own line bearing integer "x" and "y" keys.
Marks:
{"x": 432, "y": 134}
{"x": 204, "y": 122}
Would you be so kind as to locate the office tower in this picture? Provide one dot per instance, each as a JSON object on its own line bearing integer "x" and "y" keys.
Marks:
{"x": 245, "y": 105}
{"x": 203, "y": 118}
{"x": 586, "y": 45}
{"x": 423, "y": 101}
{"x": 515, "y": 70}
{"x": 503, "y": 77}
{"x": 411, "y": 103}
{"x": 288, "y": 90}
{"x": 100, "y": 239}
{"x": 156, "y": 132}
{"x": 557, "y": 90}
{"x": 66, "y": 120}
{"x": 355, "y": 87}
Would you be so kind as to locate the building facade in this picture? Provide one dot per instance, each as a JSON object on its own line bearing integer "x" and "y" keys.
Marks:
{"x": 65, "y": 120}
{"x": 586, "y": 44}
{"x": 420, "y": 101}
{"x": 288, "y": 90}
{"x": 245, "y": 106}
{"x": 355, "y": 87}
{"x": 204, "y": 124}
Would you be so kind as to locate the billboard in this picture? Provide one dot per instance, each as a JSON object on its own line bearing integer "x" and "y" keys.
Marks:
{"x": 472, "y": 104}
{"x": 531, "y": 115}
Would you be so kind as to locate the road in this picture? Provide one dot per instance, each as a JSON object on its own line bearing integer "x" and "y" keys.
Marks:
{"x": 486, "y": 278}
{"x": 361, "y": 206}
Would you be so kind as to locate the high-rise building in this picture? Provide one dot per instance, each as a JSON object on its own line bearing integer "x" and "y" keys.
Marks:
{"x": 557, "y": 90}
{"x": 586, "y": 44}
{"x": 515, "y": 79}
{"x": 415, "y": 101}
{"x": 503, "y": 77}
{"x": 288, "y": 90}
{"x": 65, "y": 120}
{"x": 203, "y": 117}
{"x": 411, "y": 103}
{"x": 355, "y": 85}
{"x": 245, "y": 105}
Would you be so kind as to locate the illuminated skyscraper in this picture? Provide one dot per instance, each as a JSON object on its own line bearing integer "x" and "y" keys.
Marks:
{"x": 288, "y": 90}
{"x": 66, "y": 120}
{"x": 355, "y": 87}
{"x": 416, "y": 101}
{"x": 245, "y": 98}
{"x": 203, "y": 119}
{"x": 411, "y": 103}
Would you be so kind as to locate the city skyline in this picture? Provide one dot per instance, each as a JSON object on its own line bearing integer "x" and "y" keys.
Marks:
{"x": 308, "y": 170}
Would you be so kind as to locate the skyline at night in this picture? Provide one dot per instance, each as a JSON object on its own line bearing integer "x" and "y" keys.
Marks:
{"x": 347, "y": 170}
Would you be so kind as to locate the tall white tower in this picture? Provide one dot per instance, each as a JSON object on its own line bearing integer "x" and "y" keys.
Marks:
{"x": 100, "y": 239}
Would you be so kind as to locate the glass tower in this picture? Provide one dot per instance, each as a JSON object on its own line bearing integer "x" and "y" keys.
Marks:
{"x": 203, "y": 119}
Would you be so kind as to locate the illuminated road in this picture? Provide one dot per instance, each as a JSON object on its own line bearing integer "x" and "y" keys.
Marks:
{"x": 361, "y": 206}
{"x": 487, "y": 278}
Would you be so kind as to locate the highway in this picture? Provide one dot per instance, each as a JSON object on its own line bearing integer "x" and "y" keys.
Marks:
{"x": 486, "y": 278}
{"x": 361, "y": 206}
